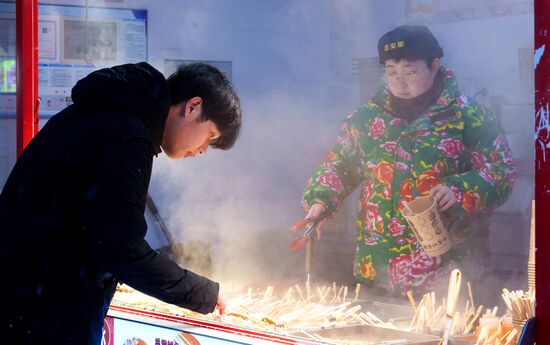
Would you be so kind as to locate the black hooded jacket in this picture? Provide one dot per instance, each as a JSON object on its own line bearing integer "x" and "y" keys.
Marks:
{"x": 72, "y": 214}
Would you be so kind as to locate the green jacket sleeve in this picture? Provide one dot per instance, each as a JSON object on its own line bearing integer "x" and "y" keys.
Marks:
{"x": 337, "y": 176}
{"x": 487, "y": 182}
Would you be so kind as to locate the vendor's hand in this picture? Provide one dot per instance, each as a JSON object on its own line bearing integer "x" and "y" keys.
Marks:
{"x": 444, "y": 195}
{"x": 315, "y": 212}
{"x": 221, "y": 303}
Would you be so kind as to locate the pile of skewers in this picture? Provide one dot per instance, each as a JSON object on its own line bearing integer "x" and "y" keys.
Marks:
{"x": 521, "y": 304}
{"x": 299, "y": 308}
{"x": 429, "y": 317}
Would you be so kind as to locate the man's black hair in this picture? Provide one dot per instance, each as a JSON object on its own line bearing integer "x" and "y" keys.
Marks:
{"x": 220, "y": 103}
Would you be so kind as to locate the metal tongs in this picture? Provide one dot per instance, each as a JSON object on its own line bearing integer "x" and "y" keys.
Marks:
{"x": 306, "y": 239}
{"x": 307, "y": 224}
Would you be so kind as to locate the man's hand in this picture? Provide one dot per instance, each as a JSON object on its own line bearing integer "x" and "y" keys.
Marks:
{"x": 444, "y": 195}
{"x": 315, "y": 212}
{"x": 221, "y": 303}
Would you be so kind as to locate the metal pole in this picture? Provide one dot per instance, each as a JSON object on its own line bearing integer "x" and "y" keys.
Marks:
{"x": 154, "y": 210}
{"x": 26, "y": 16}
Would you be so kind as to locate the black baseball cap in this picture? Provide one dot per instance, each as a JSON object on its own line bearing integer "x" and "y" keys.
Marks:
{"x": 411, "y": 42}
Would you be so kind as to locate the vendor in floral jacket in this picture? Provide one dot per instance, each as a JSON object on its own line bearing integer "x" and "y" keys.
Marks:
{"x": 419, "y": 135}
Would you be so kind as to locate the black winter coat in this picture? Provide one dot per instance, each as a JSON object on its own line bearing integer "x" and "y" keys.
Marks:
{"x": 72, "y": 214}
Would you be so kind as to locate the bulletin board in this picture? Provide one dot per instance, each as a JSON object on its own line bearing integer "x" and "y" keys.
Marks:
{"x": 72, "y": 42}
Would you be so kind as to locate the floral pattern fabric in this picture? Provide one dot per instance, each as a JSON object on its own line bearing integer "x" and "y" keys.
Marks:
{"x": 456, "y": 143}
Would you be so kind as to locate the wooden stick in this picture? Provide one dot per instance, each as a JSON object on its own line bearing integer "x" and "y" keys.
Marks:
{"x": 299, "y": 291}
{"x": 413, "y": 302}
{"x": 519, "y": 303}
{"x": 473, "y": 320}
{"x": 416, "y": 315}
{"x": 375, "y": 318}
{"x": 511, "y": 335}
{"x": 432, "y": 300}
{"x": 357, "y": 289}
{"x": 421, "y": 304}
{"x": 353, "y": 310}
{"x": 326, "y": 292}
{"x": 268, "y": 292}
{"x": 339, "y": 292}
{"x": 482, "y": 335}
{"x": 345, "y": 293}
{"x": 490, "y": 340}
{"x": 501, "y": 339}
{"x": 319, "y": 293}
{"x": 470, "y": 295}
{"x": 507, "y": 301}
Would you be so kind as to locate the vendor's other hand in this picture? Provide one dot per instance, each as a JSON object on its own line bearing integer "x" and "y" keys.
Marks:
{"x": 444, "y": 195}
{"x": 315, "y": 212}
{"x": 221, "y": 303}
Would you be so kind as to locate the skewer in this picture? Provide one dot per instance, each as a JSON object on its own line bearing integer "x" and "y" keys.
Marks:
{"x": 413, "y": 302}
{"x": 473, "y": 320}
{"x": 491, "y": 339}
{"x": 338, "y": 294}
{"x": 326, "y": 292}
{"x": 501, "y": 339}
{"x": 470, "y": 295}
{"x": 432, "y": 300}
{"x": 416, "y": 317}
{"x": 345, "y": 295}
{"x": 268, "y": 292}
{"x": 291, "y": 293}
{"x": 482, "y": 335}
{"x": 359, "y": 318}
{"x": 319, "y": 293}
{"x": 299, "y": 291}
{"x": 511, "y": 335}
{"x": 467, "y": 308}
{"x": 357, "y": 289}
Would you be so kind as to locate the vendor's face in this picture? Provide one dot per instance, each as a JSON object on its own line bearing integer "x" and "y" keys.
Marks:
{"x": 184, "y": 133}
{"x": 408, "y": 79}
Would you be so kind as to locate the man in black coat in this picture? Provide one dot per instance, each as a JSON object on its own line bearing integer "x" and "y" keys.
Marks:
{"x": 72, "y": 210}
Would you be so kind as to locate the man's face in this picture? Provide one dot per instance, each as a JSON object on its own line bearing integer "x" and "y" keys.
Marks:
{"x": 184, "y": 134}
{"x": 409, "y": 79}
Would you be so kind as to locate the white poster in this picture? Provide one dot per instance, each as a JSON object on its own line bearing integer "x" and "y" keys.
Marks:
{"x": 73, "y": 41}
{"x": 47, "y": 40}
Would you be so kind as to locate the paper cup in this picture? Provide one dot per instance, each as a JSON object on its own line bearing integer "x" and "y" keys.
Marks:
{"x": 423, "y": 218}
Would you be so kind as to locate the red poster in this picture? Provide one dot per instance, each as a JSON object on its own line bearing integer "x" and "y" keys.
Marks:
{"x": 108, "y": 331}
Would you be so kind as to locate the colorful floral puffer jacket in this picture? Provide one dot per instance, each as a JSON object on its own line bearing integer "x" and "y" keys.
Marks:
{"x": 456, "y": 143}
